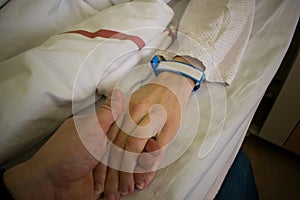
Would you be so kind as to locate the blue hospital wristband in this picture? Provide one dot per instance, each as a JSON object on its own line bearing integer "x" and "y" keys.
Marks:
{"x": 178, "y": 67}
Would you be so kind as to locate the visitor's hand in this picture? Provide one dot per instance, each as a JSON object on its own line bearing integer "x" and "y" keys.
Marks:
{"x": 63, "y": 167}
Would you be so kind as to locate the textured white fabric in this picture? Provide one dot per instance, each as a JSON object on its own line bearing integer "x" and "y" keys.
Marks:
{"x": 216, "y": 33}
{"x": 275, "y": 20}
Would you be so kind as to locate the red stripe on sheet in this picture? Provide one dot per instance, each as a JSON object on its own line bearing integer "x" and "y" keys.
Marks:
{"x": 111, "y": 34}
{"x": 171, "y": 33}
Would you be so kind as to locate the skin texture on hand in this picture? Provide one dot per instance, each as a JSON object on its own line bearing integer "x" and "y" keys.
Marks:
{"x": 171, "y": 92}
{"x": 63, "y": 168}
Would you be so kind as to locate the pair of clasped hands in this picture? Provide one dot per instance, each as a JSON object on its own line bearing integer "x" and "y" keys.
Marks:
{"x": 67, "y": 166}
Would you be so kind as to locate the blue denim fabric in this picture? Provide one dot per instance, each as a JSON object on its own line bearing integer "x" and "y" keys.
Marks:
{"x": 239, "y": 183}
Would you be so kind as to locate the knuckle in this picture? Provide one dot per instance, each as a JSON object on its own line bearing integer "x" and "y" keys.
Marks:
{"x": 135, "y": 144}
{"x": 111, "y": 180}
{"x": 137, "y": 107}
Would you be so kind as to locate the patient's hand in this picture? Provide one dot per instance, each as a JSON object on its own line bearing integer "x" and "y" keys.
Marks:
{"x": 171, "y": 92}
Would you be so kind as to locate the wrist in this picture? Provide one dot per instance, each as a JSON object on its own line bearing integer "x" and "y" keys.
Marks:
{"x": 179, "y": 85}
{"x": 173, "y": 79}
{"x": 179, "y": 77}
{"x": 182, "y": 66}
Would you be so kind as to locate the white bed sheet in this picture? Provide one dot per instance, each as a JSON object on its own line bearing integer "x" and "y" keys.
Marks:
{"x": 273, "y": 29}
{"x": 193, "y": 178}
{"x": 227, "y": 112}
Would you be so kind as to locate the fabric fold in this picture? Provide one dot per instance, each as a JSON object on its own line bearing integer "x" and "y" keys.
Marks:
{"x": 39, "y": 86}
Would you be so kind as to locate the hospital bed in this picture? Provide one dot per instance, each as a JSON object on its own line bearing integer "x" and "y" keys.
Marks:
{"x": 225, "y": 112}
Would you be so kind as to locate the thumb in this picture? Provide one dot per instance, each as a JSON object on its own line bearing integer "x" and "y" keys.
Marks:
{"x": 108, "y": 113}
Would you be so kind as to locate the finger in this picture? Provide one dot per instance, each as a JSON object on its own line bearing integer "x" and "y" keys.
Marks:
{"x": 146, "y": 160}
{"x": 126, "y": 175}
{"x": 139, "y": 177}
{"x": 93, "y": 136}
{"x": 116, "y": 151}
{"x": 128, "y": 165}
{"x": 149, "y": 178}
{"x": 146, "y": 128}
{"x": 152, "y": 147}
{"x": 125, "y": 123}
{"x": 110, "y": 110}
{"x": 166, "y": 135}
{"x": 116, "y": 155}
{"x": 126, "y": 180}
{"x": 142, "y": 120}
{"x": 113, "y": 132}
{"x": 119, "y": 139}
{"x": 134, "y": 146}
{"x": 99, "y": 174}
{"x": 111, "y": 186}
{"x": 150, "y": 124}
{"x": 143, "y": 180}
{"x": 112, "y": 158}
{"x": 126, "y": 186}
{"x": 143, "y": 177}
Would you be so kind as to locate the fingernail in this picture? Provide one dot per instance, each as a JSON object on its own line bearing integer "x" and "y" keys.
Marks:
{"x": 110, "y": 196}
{"x": 124, "y": 190}
{"x": 140, "y": 185}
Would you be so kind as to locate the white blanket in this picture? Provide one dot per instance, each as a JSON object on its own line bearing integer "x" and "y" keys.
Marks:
{"x": 19, "y": 19}
{"x": 39, "y": 86}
